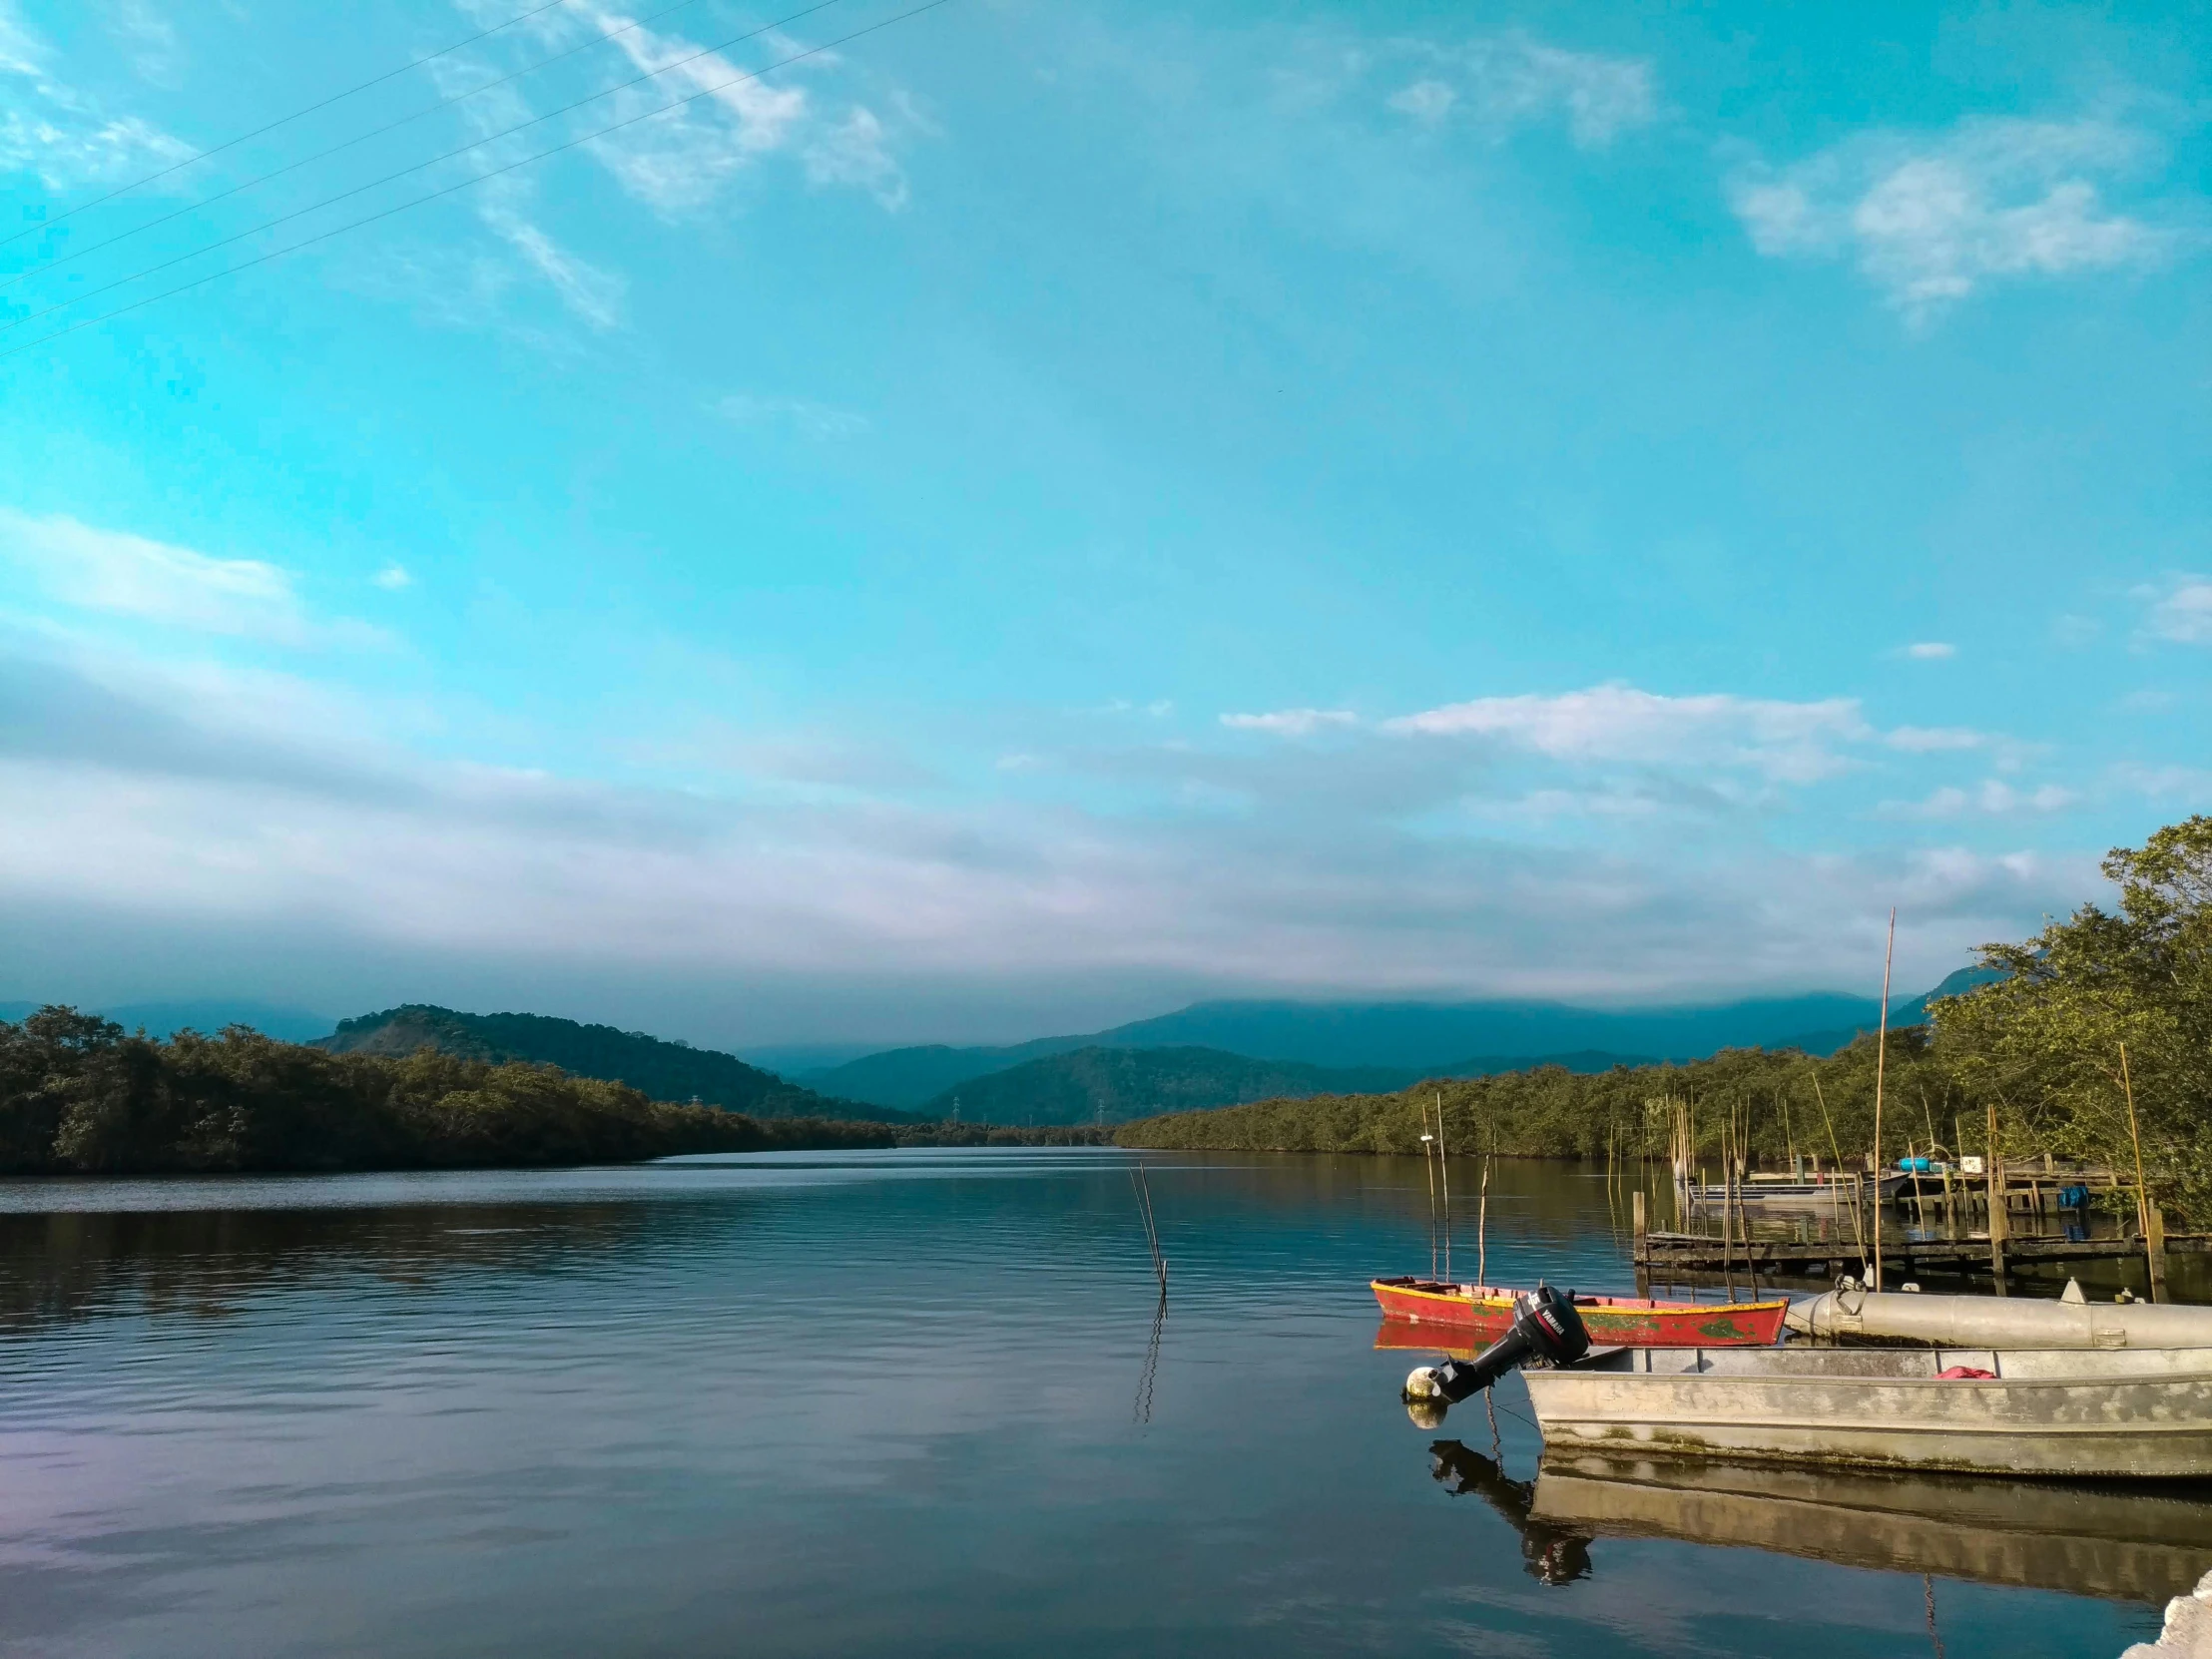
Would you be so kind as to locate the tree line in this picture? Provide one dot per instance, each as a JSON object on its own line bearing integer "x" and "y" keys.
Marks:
{"x": 79, "y": 1095}
{"x": 2098, "y": 1039}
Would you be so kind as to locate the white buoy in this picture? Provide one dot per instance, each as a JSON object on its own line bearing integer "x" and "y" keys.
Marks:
{"x": 1422, "y": 1384}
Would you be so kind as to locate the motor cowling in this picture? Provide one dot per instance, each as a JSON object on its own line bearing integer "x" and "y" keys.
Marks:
{"x": 1546, "y": 1326}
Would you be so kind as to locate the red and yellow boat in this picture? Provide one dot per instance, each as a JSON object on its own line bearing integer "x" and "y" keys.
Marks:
{"x": 1483, "y": 1312}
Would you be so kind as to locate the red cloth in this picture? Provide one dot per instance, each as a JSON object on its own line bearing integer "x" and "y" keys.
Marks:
{"x": 1955, "y": 1374}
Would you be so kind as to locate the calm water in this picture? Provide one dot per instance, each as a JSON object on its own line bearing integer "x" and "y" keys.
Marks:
{"x": 884, "y": 1403}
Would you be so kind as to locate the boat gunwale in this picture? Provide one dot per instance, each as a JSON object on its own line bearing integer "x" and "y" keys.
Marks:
{"x": 1478, "y": 1296}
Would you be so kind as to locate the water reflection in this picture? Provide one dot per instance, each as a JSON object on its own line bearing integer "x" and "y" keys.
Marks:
{"x": 1550, "y": 1555}
{"x": 70, "y": 1266}
{"x": 2126, "y": 1544}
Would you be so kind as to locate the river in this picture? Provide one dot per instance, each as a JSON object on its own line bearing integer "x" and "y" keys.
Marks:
{"x": 909, "y": 1402}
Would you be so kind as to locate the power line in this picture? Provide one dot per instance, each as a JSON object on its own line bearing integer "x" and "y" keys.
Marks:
{"x": 357, "y": 189}
{"x": 319, "y": 155}
{"x": 285, "y": 121}
{"x": 465, "y": 184}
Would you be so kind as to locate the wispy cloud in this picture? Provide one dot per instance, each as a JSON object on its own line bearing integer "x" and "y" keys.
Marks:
{"x": 1931, "y": 219}
{"x": 807, "y": 419}
{"x": 1291, "y": 723}
{"x": 1513, "y": 80}
{"x": 2179, "y": 610}
{"x": 1933, "y": 740}
{"x": 115, "y": 571}
{"x": 121, "y": 574}
{"x": 1786, "y": 742}
{"x": 1930, "y": 651}
{"x": 392, "y": 578}
{"x": 59, "y": 133}
{"x": 1991, "y": 797}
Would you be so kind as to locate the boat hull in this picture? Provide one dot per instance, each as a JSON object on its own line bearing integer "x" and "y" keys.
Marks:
{"x": 1798, "y": 1194}
{"x": 1482, "y": 1314}
{"x": 2125, "y": 1414}
{"x": 1998, "y": 1322}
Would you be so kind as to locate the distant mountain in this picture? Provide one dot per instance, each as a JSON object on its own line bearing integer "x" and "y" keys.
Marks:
{"x": 1912, "y": 1010}
{"x": 166, "y": 1019}
{"x": 911, "y": 1078}
{"x": 1098, "y": 1084}
{"x": 664, "y": 1070}
{"x": 1423, "y": 1034}
{"x": 1417, "y": 1038}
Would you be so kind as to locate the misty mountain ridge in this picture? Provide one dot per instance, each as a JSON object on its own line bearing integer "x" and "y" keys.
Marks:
{"x": 663, "y": 1070}
{"x": 1413, "y": 1039}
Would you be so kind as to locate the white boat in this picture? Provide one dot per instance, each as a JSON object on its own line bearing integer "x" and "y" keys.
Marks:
{"x": 1824, "y": 1191}
{"x": 2125, "y": 1414}
{"x": 1998, "y": 1322}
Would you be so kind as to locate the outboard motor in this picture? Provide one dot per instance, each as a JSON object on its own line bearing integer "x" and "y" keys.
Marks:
{"x": 1545, "y": 1327}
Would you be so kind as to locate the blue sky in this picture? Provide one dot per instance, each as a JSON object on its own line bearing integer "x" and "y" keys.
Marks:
{"x": 1037, "y": 513}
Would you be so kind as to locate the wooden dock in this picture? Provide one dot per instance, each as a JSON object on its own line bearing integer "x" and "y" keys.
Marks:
{"x": 1665, "y": 1256}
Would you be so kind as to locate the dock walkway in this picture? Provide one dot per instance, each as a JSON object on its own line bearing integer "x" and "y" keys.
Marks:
{"x": 1661, "y": 1254}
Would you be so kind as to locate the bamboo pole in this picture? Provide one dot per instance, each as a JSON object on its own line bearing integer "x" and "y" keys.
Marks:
{"x": 1994, "y": 1164}
{"x": 1483, "y": 1215}
{"x": 1428, "y": 1168}
{"x": 1881, "y": 1060}
{"x": 1444, "y": 1168}
{"x": 1857, "y": 1220}
{"x": 2153, "y": 1252}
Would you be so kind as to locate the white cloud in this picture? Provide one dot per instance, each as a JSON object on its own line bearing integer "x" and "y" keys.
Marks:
{"x": 1511, "y": 80}
{"x": 2180, "y": 611}
{"x": 809, "y": 421}
{"x": 1786, "y": 742}
{"x": 2167, "y": 783}
{"x": 856, "y": 151}
{"x": 1930, "y": 220}
{"x": 1426, "y": 100}
{"x": 1291, "y": 723}
{"x": 1991, "y": 798}
{"x": 1931, "y": 739}
{"x": 1930, "y": 651}
{"x": 113, "y": 571}
{"x": 191, "y": 815}
{"x": 392, "y": 578}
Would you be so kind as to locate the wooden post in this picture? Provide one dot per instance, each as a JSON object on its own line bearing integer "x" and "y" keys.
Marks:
{"x": 1995, "y": 1169}
{"x": 1880, "y": 1058}
{"x": 2154, "y": 1247}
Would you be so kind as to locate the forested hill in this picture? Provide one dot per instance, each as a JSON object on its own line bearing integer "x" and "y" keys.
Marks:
{"x": 79, "y": 1096}
{"x": 1112, "y": 1085}
{"x": 661, "y": 1070}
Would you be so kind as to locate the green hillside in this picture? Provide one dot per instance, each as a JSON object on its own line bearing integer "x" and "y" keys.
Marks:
{"x": 1112, "y": 1085}
{"x": 79, "y": 1095}
{"x": 661, "y": 1070}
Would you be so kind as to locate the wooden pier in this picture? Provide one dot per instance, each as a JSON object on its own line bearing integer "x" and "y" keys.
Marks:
{"x": 1667, "y": 1257}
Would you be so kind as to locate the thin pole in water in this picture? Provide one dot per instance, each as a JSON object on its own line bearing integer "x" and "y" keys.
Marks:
{"x": 1881, "y": 1057}
{"x": 1151, "y": 1225}
{"x": 1444, "y": 1167}
{"x": 1429, "y": 1167}
{"x": 2142, "y": 1192}
{"x": 1482, "y": 1214}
